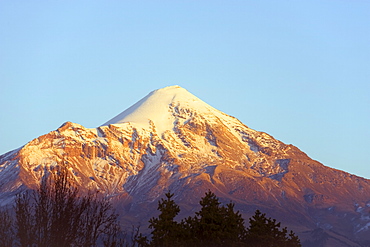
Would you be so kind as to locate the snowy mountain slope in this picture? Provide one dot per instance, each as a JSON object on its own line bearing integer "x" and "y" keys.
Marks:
{"x": 172, "y": 140}
{"x": 160, "y": 107}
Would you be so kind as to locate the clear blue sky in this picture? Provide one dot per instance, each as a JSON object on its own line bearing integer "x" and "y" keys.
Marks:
{"x": 298, "y": 70}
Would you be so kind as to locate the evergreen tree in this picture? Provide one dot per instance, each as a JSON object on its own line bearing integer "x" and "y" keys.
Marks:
{"x": 265, "y": 232}
{"x": 235, "y": 231}
{"x": 215, "y": 225}
{"x": 208, "y": 221}
{"x": 166, "y": 231}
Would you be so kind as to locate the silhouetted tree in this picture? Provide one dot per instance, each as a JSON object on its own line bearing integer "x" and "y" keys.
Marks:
{"x": 265, "y": 232}
{"x": 216, "y": 225}
{"x": 213, "y": 225}
{"x": 56, "y": 215}
{"x": 24, "y": 220}
{"x": 165, "y": 230}
{"x": 235, "y": 231}
{"x": 113, "y": 237}
{"x": 6, "y": 229}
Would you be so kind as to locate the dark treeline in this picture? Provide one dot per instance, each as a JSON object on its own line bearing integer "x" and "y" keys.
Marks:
{"x": 214, "y": 225}
{"x": 57, "y": 215}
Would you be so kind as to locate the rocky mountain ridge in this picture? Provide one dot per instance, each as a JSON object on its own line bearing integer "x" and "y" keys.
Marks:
{"x": 171, "y": 140}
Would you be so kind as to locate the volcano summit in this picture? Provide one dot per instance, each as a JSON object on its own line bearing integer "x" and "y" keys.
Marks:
{"x": 171, "y": 140}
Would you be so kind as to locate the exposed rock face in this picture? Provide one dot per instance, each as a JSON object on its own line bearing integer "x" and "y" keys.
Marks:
{"x": 189, "y": 147}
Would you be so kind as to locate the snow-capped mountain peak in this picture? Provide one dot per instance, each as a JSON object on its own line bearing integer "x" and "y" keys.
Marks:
{"x": 160, "y": 107}
{"x": 172, "y": 140}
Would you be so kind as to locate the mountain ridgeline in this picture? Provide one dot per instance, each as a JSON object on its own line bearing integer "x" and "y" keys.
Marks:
{"x": 173, "y": 141}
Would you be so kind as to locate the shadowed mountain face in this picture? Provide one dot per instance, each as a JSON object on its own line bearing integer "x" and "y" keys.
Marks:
{"x": 171, "y": 140}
